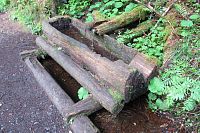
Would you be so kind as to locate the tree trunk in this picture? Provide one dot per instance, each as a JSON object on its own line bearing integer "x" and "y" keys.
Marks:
{"x": 121, "y": 20}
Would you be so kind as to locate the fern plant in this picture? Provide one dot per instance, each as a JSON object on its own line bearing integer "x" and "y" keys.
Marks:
{"x": 178, "y": 87}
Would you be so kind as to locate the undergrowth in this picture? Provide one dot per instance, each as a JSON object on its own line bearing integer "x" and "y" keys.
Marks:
{"x": 177, "y": 88}
{"x": 28, "y": 12}
{"x": 74, "y": 8}
{"x": 151, "y": 45}
{"x": 4, "y": 5}
{"x": 110, "y": 8}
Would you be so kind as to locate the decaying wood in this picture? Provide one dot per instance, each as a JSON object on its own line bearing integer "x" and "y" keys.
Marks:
{"x": 144, "y": 65}
{"x": 83, "y": 107}
{"x": 118, "y": 75}
{"x": 100, "y": 93}
{"x": 58, "y": 97}
{"x": 111, "y": 45}
{"x": 98, "y": 18}
{"x": 121, "y": 20}
{"x": 139, "y": 30}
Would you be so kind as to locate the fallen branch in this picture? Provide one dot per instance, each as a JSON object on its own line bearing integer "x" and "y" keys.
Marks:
{"x": 121, "y": 20}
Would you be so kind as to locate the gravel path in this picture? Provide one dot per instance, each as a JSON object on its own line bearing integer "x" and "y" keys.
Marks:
{"x": 24, "y": 107}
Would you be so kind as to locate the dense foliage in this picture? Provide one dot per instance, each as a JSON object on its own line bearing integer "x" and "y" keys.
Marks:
{"x": 74, "y": 8}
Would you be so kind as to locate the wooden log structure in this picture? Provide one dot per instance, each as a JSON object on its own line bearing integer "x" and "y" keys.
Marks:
{"x": 118, "y": 74}
{"x": 131, "y": 57}
{"x": 100, "y": 93}
{"x": 57, "y": 95}
{"x": 121, "y": 20}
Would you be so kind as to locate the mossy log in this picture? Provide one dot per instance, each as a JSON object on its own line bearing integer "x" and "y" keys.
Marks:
{"x": 138, "y": 31}
{"x": 122, "y": 20}
{"x": 117, "y": 74}
{"x": 171, "y": 37}
{"x": 142, "y": 28}
{"x": 98, "y": 18}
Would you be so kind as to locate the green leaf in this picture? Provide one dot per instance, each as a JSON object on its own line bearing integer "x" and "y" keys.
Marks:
{"x": 186, "y": 23}
{"x": 189, "y": 104}
{"x": 130, "y": 7}
{"x": 194, "y": 16}
{"x": 152, "y": 96}
{"x": 83, "y": 93}
{"x": 89, "y": 18}
{"x": 118, "y": 4}
{"x": 156, "y": 86}
{"x": 184, "y": 33}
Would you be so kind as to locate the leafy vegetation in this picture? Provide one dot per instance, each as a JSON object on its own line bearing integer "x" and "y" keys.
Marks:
{"x": 31, "y": 19}
{"x": 110, "y": 8}
{"x": 177, "y": 89}
{"x": 151, "y": 45}
{"x": 74, "y": 8}
{"x": 83, "y": 93}
{"x": 4, "y": 5}
{"x": 28, "y": 12}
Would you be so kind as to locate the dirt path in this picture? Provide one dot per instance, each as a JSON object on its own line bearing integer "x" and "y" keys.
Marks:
{"x": 24, "y": 107}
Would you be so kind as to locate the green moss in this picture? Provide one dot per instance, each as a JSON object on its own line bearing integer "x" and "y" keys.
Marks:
{"x": 116, "y": 95}
{"x": 127, "y": 36}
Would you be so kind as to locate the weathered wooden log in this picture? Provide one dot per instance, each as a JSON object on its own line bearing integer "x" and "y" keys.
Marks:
{"x": 122, "y": 20}
{"x": 83, "y": 107}
{"x": 135, "y": 32}
{"x": 109, "y": 44}
{"x": 100, "y": 92}
{"x": 58, "y": 97}
{"x": 117, "y": 74}
{"x": 144, "y": 65}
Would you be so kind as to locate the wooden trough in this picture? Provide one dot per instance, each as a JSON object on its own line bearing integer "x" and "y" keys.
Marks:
{"x": 80, "y": 124}
{"x": 112, "y": 82}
